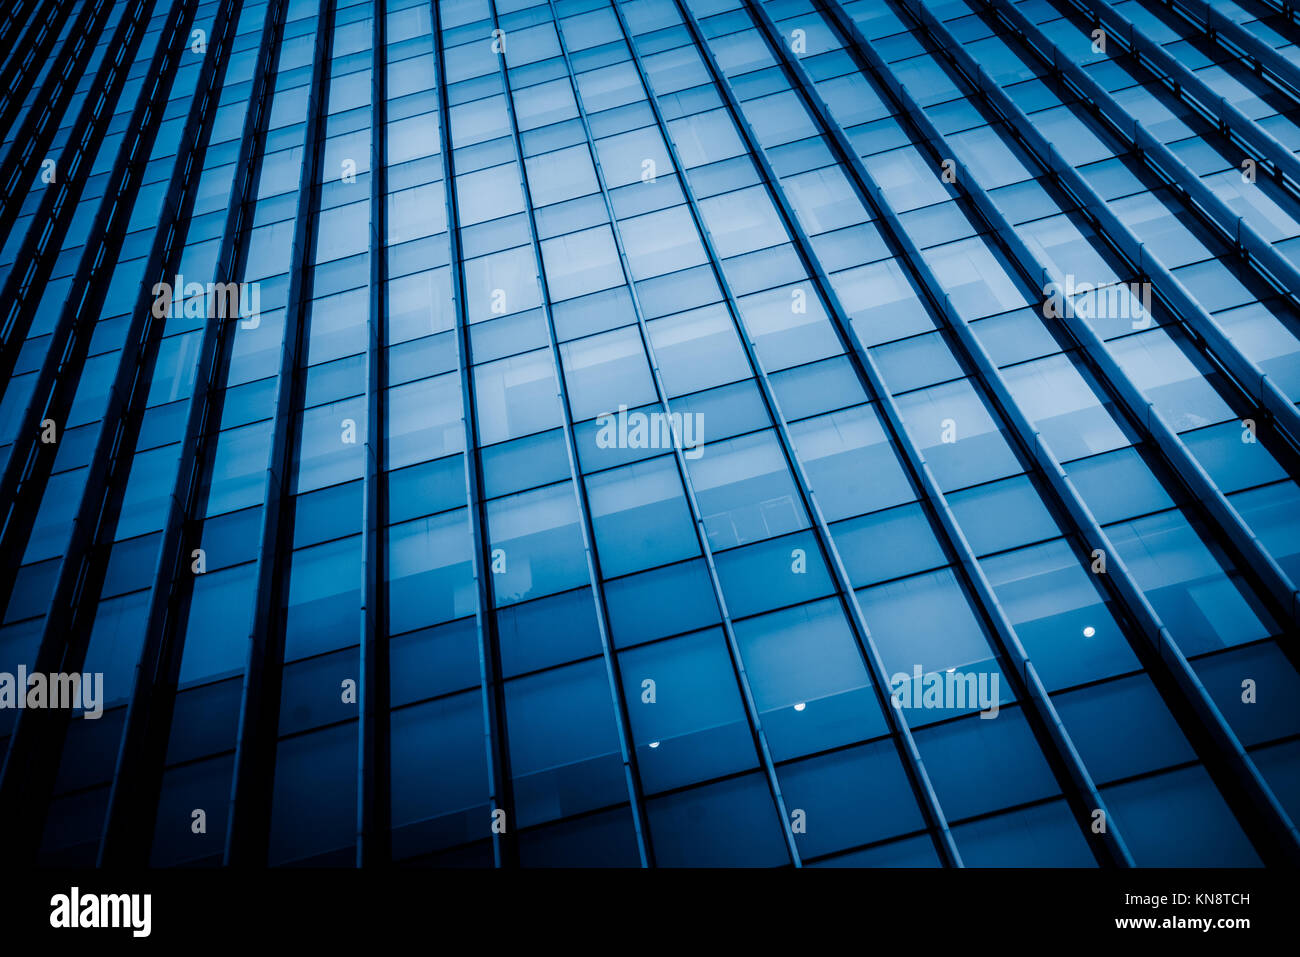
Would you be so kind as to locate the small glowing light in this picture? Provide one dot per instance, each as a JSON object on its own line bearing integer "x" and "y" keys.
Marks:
{"x": 1089, "y": 631}
{"x": 654, "y": 744}
{"x": 800, "y": 706}
{"x": 951, "y": 670}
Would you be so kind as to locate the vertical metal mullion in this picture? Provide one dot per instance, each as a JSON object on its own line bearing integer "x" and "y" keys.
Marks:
{"x": 133, "y": 799}
{"x": 627, "y": 752}
{"x": 251, "y": 788}
{"x": 1265, "y": 821}
{"x": 900, "y": 733}
{"x": 588, "y": 532}
{"x": 374, "y": 769}
{"x": 1071, "y": 773}
{"x": 36, "y": 744}
{"x": 613, "y": 670}
{"x": 501, "y": 797}
{"x": 688, "y": 486}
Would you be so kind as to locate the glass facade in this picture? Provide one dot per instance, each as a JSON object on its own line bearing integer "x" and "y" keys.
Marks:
{"x": 650, "y": 432}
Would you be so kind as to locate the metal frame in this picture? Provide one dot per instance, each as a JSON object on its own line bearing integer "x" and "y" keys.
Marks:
{"x": 13, "y": 24}
{"x": 1285, "y": 8}
{"x": 613, "y": 669}
{"x": 41, "y": 123}
{"x": 1251, "y": 248}
{"x": 374, "y": 768}
{"x": 757, "y": 736}
{"x": 40, "y": 249}
{"x": 500, "y": 782}
{"x": 1264, "y": 819}
{"x": 137, "y": 782}
{"x": 900, "y": 732}
{"x": 37, "y": 741}
{"x": 31, "y": 461}
{"x": 1189, "y": 88}
{"x": 1239, "y": 42}
{"x": 20, "y": 73}
{"x": 28, "y": 775}
{"x": 1075, "y": 781}
{"x": 1279, "y": 592}
{"x": 249, "y": 821}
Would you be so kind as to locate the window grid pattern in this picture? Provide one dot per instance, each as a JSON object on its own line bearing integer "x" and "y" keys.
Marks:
{"x": 367, "y": 577}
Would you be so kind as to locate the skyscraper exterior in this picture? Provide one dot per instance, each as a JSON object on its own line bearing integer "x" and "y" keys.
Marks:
{"x": 650, "y": 433}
